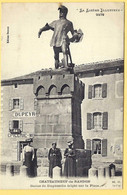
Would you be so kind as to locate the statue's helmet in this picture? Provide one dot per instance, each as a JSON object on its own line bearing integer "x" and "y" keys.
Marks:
{"x": 63, "y": 9}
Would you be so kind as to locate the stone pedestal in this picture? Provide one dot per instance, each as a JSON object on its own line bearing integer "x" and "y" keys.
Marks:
{"x": 92, "y": 172}
{"x": 112, "y": 172}
{"x": 58, "y": 115}
{"x": 97, "y": 160}
{"x": 57, "y": 172}
{"x": 100, "y": 171}
{"x": 23, "y": 171}
{"x": 107, "y": 174}
{"x": 9, "y": 170}
{"x": 58, "y": 110}
{"x": 42, "y": 162}
{"x": 83, "y": 162}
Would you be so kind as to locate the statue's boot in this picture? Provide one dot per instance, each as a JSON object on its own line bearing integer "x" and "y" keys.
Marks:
{"x": 56, "y": 64}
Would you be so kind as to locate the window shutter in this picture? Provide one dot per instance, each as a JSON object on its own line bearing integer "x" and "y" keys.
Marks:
{"x": 89, "y": 121}
{"x": 21, "y": 125}
{"x": 10, "y": 124}
{"x": 90, "y": 92}
{"x": 10, "y": 104}
{"x": 104, "y": 90}
{"x": 104, "y": 147}
{"x": 105, "y": 120}
{"x": 92, "y": 121}
{"x": 35, "y": 103}
{"x": 92, "y": 152}
{"x": 21, "y": 104}
{"x": 93, "y": 92}
{"x": 88, "y": 144}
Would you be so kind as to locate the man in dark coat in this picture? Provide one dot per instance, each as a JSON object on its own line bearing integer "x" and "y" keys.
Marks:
{"x": 55, "y": 158}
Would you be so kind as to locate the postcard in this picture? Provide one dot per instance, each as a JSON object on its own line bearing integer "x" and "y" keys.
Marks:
{"x": 62, "y": 67}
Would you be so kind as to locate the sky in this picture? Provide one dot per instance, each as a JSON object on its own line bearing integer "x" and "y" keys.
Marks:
{"x": 25, "y": 53}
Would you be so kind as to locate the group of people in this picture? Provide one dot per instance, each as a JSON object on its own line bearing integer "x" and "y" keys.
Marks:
{"x": 55, "y": 159}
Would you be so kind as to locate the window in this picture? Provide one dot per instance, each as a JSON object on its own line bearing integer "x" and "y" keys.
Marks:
{"x": 97, "y": 121}
{"x": 119, "y": 89}
{"x": 16, "y": 103}
{"x": 15, "y": 126}
{"x": 97, "y": 146}
{"x": 97, "y": 91}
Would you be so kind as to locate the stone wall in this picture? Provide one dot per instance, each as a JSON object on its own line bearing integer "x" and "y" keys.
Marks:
{"x": 58, "y": 117}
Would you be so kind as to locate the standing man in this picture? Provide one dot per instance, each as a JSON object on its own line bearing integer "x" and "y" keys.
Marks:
{"x": 60, "y": 40}
{"x": 55, "y": 158}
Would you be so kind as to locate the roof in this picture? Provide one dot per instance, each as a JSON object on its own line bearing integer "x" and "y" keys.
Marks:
{"x": 99, "y": 66}
{"x": 78, "y": 70}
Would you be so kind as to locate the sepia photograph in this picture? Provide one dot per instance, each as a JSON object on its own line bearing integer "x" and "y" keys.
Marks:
{"x": 62, "y": 81}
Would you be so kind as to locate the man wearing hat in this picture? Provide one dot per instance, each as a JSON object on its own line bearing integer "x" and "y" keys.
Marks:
{"x": 60, "y": 40}
{"x": 54, "y": 157}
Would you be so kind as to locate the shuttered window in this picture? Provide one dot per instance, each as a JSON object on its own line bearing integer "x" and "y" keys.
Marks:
{"x": 16, "y": 103}
{"x": 98, "y": 146}
{"x": 97, "y": 121}
{"x": 97, "y": 91}
{"x": 15, "y": 126}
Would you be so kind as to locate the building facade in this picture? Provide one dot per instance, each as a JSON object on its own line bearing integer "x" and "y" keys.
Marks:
{"x": 101, "y": 111}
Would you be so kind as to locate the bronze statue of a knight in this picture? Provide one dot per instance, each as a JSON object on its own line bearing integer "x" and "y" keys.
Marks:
{"x": 60, "y": 40}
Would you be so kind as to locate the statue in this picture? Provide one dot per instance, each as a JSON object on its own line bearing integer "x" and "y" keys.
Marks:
{"x": 60, "y": 40}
